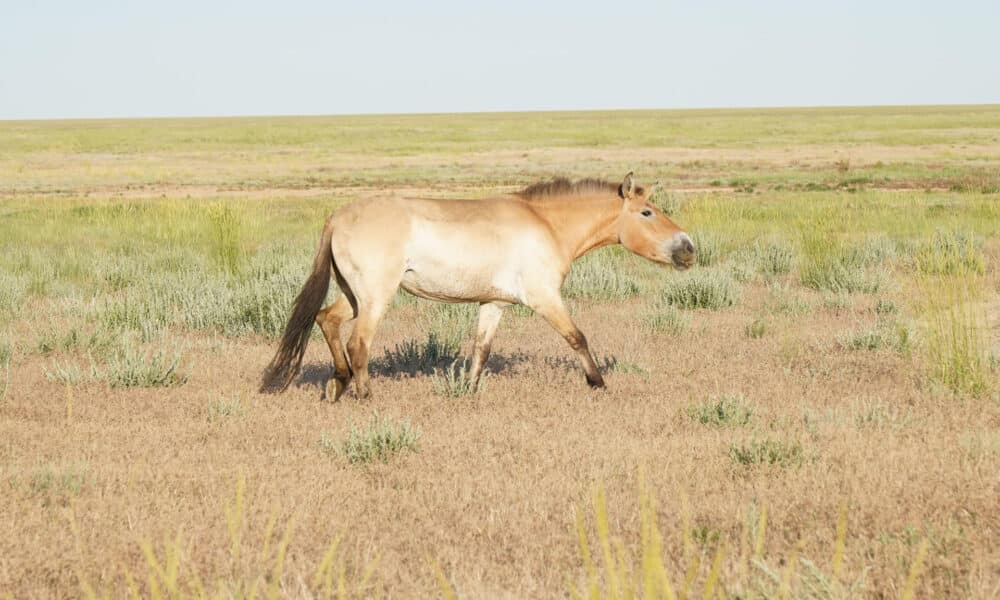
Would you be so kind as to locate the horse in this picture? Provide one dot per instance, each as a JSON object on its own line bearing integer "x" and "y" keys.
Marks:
{"x": 511, "y": 249}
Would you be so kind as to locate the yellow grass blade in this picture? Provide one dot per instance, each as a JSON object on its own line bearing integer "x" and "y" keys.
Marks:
{"x": 234, "y": 519}
{"x": 915, "y": 570}
{"x": 716, "y": 570}
{"x": 758, "y": 544}
{"x": 447, "y": 592}
{"x": 786, "y": 577}
{"x": 838, "y": 547}
{"x": 586, "y": 557}
{"x": 604, "y": 538}
{"x": 279, "y": 562}
{"x": 326, "y": 563}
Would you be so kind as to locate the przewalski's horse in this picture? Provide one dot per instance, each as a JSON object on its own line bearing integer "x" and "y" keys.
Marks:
{"x": 513, "y": 249}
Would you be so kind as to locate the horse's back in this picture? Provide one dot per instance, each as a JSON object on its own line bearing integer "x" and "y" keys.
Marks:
{"x": 451, "y": 250}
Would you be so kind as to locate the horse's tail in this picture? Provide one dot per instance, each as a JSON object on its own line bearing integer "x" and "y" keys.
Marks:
{"x": 286, "y": 362}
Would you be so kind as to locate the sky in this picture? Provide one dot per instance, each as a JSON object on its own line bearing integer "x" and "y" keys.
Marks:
{"x": 111, "y": 58}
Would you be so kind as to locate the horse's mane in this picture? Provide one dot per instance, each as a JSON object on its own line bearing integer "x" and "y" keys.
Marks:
{"x": 561, "y": 186}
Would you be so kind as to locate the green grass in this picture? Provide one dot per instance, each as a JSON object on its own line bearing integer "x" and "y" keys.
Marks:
{"x": 726, "y": 410}
{"x": 132, "y": 366}
{"x": 600, "y": 275}
{"x": 58, "y": 484}
{"x": 767, "y": 452}
{"x": 379, "y": 440}
{"x": 666, "y": 319}
{"x": 6, "y": 356}
{"x": 222, "y": 409}
{"x": 413, "y": 357}
{"x": 957, "y": 353}
{"x": 453, "y": 381}
{"x": 891, "y": 335}
{"x": 712, "y": 289}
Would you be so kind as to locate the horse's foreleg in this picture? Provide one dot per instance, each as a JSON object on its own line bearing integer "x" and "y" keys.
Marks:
{"x": 558, "y": 317}
{"x": 329, "y": 320}
{"x": 489, "y": 319}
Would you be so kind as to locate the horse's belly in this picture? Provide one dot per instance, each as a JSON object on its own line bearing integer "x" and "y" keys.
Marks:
{"x": 457, "y": 285}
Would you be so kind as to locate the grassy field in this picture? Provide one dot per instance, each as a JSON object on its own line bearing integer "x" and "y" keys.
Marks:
{"x": 813, "y": 411}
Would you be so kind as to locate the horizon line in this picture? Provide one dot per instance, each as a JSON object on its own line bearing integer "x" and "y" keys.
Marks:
{"x": 495, "y": 112}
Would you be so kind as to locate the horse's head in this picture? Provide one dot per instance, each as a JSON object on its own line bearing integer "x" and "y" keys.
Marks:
{"x": 645, "y": 230}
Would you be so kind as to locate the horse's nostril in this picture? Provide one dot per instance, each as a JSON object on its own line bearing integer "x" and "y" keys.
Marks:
{"x": 688, "y": 246}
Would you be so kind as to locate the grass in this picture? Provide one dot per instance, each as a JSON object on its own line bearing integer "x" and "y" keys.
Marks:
{"x": 891, "y": 335}
{"x": 666, "y": 319}
{"x": 222, "y": 409}
{"x": 454, "y": 382}
{"x": 767, "y": 453}
{"x": 380, "y": 440}
{"x": 58, "y": 484}
{"x": 131, "y": 366}
{"x": 6, "y": 356}
{"x": 721, "y": 567}
{"x": 726, "y": 410}
{"x": 417, "y": 357}
{"x": 198, "y": 233}
{"x": 600, "y": 276}
{"x": 957, "y": 353}
{"x": 712, "y": 289}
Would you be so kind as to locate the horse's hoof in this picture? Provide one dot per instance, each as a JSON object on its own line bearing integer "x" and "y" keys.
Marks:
{"x": 335, "y": 388}
{"x": 597, "y": 384}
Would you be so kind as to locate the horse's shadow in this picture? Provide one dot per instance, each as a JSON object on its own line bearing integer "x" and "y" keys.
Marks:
{"x": 394, "y": 364}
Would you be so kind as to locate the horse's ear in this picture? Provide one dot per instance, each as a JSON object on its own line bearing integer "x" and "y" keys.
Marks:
{"x": 627, "y": 189}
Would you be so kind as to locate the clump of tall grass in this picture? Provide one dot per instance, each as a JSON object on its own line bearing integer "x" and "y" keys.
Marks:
{"x": 667, "y": 319}
{"x": 131, "y": 366}
{"x": 599, "y": 276}
{"x": 767, "y": 452}
{"x": 708, "y": 246}
{"x": 783, "y": 300}
{"x": 454, "y": 381}
{"x": 884, "y": 334}
{"x": 833, "y": 275}
{"x": 226, "y": 228}
{"x": 226, "y": 408}
{"x": 767, "y": 258}
{"x": 831, "y": 267}
{"x": 452, "y": 322}
{"x": 380, "y": 439}
{"x": 956, "y": 349}
{"x": 413, "y": 357}
{"x": 712, "y": 289}
{"x": 724, "y": 411}
{"x": 66, "y": 373}
{"x": 950, "y": 253}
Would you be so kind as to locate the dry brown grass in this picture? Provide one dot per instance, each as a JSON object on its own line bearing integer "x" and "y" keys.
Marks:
{"x": 209, "y": 484}
{"x": 492, "y": 492}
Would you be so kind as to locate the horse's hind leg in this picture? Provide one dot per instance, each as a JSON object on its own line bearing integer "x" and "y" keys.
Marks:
{"x": 359, "y": 346}
{"x": 329, "y": 320}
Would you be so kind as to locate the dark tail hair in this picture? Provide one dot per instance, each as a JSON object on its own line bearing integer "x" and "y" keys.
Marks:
{"x": 286, "y": 362}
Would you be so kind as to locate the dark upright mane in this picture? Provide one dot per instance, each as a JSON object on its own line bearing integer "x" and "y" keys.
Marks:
{"x": 560, "y": 186}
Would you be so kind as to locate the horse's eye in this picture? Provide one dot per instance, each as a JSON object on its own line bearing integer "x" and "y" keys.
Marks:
{"x": 647, "y": 213}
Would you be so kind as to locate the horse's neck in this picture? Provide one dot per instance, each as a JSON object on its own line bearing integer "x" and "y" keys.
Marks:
{"x": 582, "y": 223}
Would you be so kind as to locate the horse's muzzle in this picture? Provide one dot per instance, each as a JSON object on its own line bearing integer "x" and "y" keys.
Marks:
{"x": 682, "y": 252}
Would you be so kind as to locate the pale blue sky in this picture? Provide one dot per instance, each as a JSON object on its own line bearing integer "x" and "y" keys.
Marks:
{"x": 109, "y": 58}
